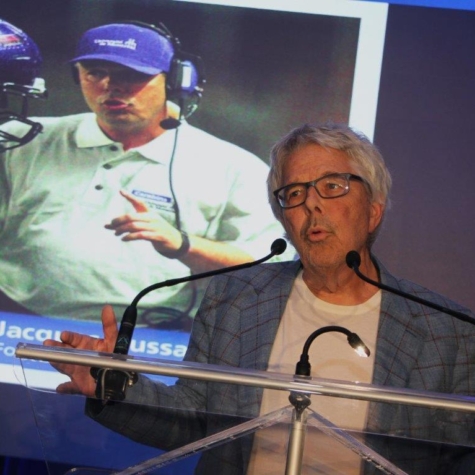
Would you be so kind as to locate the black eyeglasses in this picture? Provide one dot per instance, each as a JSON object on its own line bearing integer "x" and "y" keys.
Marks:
{"x": 329, "y": 186}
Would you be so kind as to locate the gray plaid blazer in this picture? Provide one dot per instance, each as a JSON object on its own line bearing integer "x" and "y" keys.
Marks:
{"x": 236, "y": 324}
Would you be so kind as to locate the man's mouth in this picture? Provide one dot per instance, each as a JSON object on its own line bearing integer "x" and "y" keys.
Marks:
{"x": 316, "y": 234}
{"x": 115, "y": 104}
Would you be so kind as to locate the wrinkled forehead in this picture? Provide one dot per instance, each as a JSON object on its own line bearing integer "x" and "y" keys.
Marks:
{"x": 311, "y": 161}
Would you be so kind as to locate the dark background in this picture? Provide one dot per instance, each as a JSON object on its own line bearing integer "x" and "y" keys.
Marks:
{"x": 425, "y": 127}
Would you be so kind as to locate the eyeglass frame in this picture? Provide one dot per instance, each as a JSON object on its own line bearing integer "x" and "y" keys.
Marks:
{"x": 308, "y": 184}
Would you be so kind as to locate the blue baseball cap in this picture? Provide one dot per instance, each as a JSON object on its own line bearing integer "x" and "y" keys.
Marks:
{"x": 134, "y": 46}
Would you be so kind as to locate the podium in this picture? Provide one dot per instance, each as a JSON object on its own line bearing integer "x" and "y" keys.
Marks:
{"x": 407, "y": 431}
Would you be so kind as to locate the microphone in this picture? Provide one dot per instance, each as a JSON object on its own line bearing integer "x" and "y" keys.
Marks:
{"x": 170, "y": 123}
{"x": 353, "y": 261}
{"x": 112, "y": 384}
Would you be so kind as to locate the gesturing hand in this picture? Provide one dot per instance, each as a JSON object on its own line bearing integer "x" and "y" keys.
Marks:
{"x": 146, "y": 225}
{"x": 81, "y": 380}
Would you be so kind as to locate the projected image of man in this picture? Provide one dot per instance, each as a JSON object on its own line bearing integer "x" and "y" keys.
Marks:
{"x": 106, "y": 203}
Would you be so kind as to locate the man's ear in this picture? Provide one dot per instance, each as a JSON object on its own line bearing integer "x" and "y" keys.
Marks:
{"x": 375, "y": 215}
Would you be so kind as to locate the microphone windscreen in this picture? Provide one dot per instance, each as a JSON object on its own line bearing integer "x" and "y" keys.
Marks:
{"x": 278, "y": 246}
{"x": 353, "y": 259}
{"x": 169, "y": 123}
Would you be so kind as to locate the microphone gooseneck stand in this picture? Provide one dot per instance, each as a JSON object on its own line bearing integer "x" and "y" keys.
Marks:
{"x": 111, "y": 385}
{"x": 353, "y": 261}
{"x": 301, "y": 401}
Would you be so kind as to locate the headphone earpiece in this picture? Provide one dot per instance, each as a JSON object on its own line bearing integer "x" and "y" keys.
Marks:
{"x": 185, "y": 82}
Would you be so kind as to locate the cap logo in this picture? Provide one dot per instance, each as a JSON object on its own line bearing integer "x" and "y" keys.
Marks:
{"x": 129, "y": 44}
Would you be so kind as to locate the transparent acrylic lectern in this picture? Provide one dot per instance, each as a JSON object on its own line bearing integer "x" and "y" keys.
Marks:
{"x": 208, "y": 421}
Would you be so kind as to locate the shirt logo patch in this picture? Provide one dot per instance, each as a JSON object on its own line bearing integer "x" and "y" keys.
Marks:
{"x": 153, "y": 200}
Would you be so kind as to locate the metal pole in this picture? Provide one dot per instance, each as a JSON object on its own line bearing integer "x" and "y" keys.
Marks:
{"x": 297, "y": 434}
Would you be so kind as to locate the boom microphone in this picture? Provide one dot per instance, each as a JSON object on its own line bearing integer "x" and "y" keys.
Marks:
{"x": 112, "y": 384}
{"x": 170, "y": 123}
{"x": 353, "y": 261}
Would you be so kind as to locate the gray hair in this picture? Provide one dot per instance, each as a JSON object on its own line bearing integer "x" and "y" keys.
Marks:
{"x": 361, "y": 152}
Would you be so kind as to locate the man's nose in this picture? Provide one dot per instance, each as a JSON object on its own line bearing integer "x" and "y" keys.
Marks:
{"x": 115, "y": 81}
{"x": 313, "y": 199}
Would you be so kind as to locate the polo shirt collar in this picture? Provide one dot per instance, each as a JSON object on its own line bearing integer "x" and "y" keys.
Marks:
{"x": 89, "y": 134}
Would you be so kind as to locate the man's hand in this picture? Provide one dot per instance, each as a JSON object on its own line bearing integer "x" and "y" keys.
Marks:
{"x": 145, "y": 225}
{"x": 81, "y": 380}
{"x": 204, "y": 254}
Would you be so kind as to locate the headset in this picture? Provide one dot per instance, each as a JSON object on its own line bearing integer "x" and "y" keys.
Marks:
{"x": 184, "y": 81}
{"x": 184, "y": 85}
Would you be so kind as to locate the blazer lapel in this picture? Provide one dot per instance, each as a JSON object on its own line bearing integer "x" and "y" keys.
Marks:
{"x": 400, "y": 341}
{"x": 400, "y": 337}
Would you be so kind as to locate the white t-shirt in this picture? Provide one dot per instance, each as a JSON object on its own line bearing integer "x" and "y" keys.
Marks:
{"x": 331, "y": 357}
{"x": 58, "y": 192}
